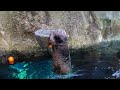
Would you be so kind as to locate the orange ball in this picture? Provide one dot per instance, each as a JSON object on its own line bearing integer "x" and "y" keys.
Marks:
{"x": 50, "y": 46}
{"x": 11, "y": 60}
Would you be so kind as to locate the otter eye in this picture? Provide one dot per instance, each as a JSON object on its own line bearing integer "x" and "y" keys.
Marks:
{"x": 57, "y": 38}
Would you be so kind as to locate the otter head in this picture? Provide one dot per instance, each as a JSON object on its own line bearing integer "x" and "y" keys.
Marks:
{"x": 58, "y": 37}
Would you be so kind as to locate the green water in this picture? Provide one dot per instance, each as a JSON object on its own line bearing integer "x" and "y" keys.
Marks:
{"x": 34, "y": 70}
{"x": 101, "y": 69}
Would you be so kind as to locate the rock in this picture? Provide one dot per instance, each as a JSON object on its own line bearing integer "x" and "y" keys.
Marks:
{"x": 85, "y": 28}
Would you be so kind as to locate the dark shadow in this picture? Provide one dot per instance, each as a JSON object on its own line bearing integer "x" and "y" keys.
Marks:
{"x": 103, "y": 57}
{"x": 102, "y": 51}
{"x": 6, "y": 72}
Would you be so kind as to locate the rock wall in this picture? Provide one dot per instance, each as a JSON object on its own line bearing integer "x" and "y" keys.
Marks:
{"x": 85, "y": 28}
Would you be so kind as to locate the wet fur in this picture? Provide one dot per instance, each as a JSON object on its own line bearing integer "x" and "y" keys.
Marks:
{"x": 61, "y": 55}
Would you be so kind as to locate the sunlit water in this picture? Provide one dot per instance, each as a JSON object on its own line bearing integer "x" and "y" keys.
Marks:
{"x": 44, "y": 70}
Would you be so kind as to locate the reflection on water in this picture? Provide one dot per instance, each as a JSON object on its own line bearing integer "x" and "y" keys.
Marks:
{"x": 43, "y": 70}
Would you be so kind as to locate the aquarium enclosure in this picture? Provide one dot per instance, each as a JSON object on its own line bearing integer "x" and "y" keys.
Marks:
{"x": 59, "y": 44}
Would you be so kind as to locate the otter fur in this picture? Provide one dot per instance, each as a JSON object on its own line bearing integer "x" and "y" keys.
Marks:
{"x": 60, "y": 54}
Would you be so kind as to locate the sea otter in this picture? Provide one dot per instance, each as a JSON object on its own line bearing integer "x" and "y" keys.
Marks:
{"x": 60, "y": 52}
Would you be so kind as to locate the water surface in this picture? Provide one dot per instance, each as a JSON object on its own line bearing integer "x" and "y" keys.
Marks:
{"x": 43, "y": 70}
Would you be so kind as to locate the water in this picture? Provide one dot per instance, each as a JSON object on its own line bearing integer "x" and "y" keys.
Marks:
{"x": 44, "y": 70}
{"x": 31, "y": 70}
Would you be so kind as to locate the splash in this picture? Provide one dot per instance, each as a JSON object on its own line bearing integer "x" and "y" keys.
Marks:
{"x": 116, "y": 74}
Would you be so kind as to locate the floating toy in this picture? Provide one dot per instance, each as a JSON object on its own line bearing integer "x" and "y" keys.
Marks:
{"x": 11, "y": 60}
